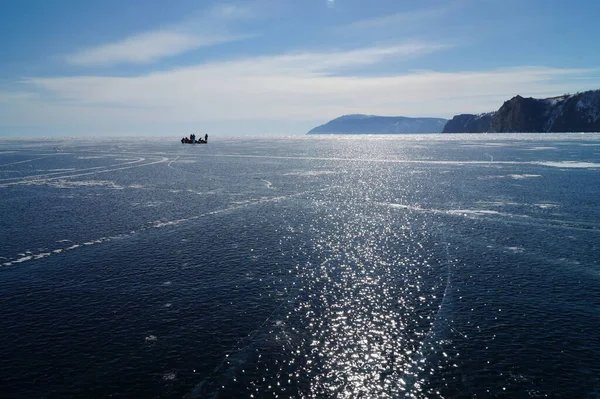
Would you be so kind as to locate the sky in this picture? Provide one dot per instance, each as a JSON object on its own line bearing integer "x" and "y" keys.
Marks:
{"x": 157, "y": 67}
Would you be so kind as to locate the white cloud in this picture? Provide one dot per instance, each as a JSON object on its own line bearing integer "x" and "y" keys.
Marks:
{"x": 253, "y": 80}
{"x": 399, "y": 19}
{"x": 208, "y": 29}
{"x": 10, "y": 97}
{"x": 302, "y": 86}
{"x": 147, "y": 47}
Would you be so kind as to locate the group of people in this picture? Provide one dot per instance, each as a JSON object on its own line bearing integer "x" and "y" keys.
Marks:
{"x": 192, "y": 140}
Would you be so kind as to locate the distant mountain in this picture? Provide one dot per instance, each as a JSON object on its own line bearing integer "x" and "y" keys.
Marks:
{"x": 371, "y": 124}
{"x": 569, "y": 113}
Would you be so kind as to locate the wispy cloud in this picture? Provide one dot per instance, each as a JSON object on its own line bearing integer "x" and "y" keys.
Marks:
{"x": 336, "y": 61}
{"x": 147, "y": 47}
{"x": 210, "y": 28}
{"x": 438, "y": 22}
{"x": 266, "y": 77}
{"x": 301, "y": 86}
{"x": 413, "y": 17}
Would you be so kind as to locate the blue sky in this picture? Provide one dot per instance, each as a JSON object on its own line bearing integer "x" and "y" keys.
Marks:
{"x": 150, "y": 67}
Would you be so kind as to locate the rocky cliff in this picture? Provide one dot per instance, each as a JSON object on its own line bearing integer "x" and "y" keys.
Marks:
{"x": 469, "y": 123}
{"x": 579, "y": 113}
{"x": 569, "y": 113}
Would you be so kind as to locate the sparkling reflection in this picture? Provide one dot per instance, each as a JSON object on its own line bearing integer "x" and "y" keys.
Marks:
{"x": 369, "y": 306}
{"x": 361, "y": 319}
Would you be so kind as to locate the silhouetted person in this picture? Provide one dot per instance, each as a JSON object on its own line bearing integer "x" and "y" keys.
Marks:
{"x": 206, "y": 138}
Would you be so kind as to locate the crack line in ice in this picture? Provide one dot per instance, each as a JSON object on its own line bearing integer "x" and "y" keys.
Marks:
{"x": 507, "y": 217}
{"x": 41, "y": 181}
{"x": 268, "y": 183}
{"x": 569, "y": 164}
{"x": 173, "y": 160}
{"x": 28, "y": 178}
{"x": 27, "y": 160}
{"x": 157, "y": 224}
